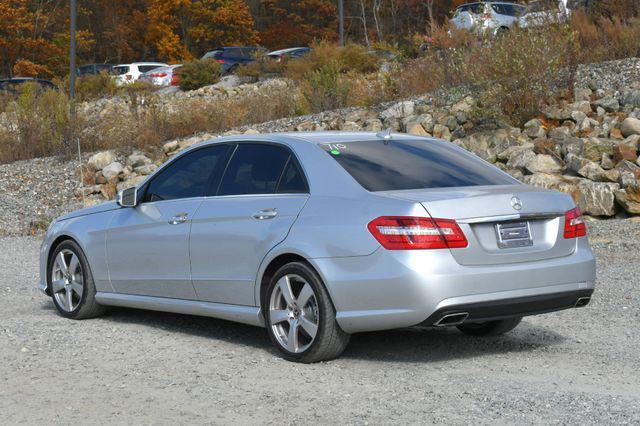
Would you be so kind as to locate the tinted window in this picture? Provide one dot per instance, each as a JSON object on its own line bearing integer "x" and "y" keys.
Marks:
{"x": 120, "y": 70}
{"x": 254, "y": 169}
{"x": 505, "y": 9}
{"x": 413, "y": 165}
{"x": 475, "y": 8}
{"x": 292, "y": 180}
{"x": 188, "y": 176}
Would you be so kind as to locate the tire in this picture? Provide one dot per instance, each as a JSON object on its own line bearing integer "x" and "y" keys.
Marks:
{"x": 307, "y": 307}
{"x": 491, "y": 328}
{"x": 73, "y": 292}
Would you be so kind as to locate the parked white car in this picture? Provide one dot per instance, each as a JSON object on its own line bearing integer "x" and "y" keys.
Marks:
{"x": 162, "y": 76}
{"x": 128, "y": 73}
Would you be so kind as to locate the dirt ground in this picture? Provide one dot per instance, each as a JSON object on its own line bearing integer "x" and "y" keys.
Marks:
{"x": 579, "y": 366}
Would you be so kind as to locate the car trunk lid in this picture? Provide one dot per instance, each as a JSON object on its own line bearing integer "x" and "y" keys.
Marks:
{"x": 503, "y": 223}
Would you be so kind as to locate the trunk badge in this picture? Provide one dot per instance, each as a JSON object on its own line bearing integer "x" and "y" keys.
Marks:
{"x": 516, "y": 203}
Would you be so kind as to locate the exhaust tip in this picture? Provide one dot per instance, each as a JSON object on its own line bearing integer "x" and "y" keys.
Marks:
{"x": 452, "y": 319}
{"x": 582, "y": 302}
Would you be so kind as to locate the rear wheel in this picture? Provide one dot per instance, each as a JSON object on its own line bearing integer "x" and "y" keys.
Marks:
{"x": 71, "y": 283}
{"x": 300, "y": 318}
{"x": 491, "y": 328}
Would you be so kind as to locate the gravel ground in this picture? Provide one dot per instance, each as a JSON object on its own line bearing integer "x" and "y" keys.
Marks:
{"x": 578, "y": 366}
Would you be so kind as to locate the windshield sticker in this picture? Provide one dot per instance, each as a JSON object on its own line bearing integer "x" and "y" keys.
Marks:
{"x": 335, "y": 148}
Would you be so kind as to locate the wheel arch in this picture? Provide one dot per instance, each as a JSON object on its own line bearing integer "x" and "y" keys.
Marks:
{"x": 55, "y": 243}
{"x": 276, "y": 263}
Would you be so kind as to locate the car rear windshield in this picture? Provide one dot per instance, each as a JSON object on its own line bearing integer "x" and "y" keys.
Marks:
{"x": 475, "y": 8}
{"x": 413, "y": 164}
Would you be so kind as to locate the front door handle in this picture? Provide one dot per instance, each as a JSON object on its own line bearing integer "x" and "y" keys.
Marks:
{"x": 178, "y": 219}
{"x": 265, "y": 214}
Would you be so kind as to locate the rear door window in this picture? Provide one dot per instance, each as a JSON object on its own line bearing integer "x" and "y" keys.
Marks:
{"x": 418, "y": 164}
{"x": 255, "y": 169}
{"x": 120, "y": 70}
{"x": 147, "y": 68}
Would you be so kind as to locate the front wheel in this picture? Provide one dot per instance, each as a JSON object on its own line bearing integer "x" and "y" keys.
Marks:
{"x": 300, "y": 318}
{"x": 71, "y": 282}
{"x": 491, "y": 328}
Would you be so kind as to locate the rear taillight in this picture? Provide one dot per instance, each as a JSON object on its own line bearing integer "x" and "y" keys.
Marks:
{"x": 574, "y": 226}
{"x": 416, "y": 233}
{"x": 175, "y": 80}
{"x": 158, "y": 75}
{"x": 220, "y": 61}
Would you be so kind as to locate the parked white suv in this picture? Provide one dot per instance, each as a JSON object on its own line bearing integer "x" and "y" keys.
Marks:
{"x": 128, "y": 73}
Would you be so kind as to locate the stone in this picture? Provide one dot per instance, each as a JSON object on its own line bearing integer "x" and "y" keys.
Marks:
{"x": 596, "y": 198}
{"x": 607, "y": 162}
{"x": 399, "y": 110}
{"x": 85, "y": 191}
{"x": 583, "y": 106}
{"x": 609, "y": 103}
{"x": 520, "y": 159}
{"x": 575, "y": 163}
{"x": 543, "y": 163}
{"x": 628, "y": 166}
{"x": 578, "y": 117}
{"x": 109, "y": 191}
{"x": 360, "y": 115}
{"x": 535, "y": 129}
{"x": 631, "y": 97}
{"x": 112, "y": 170}
{"x": 627, "y": 179}
{"x": 351, "y": 126}
{"x": 441, "y": 132}
{"x": 630, "y": 126}
{"x": 558, "y": 112}
{"x": 615, "y": 133}
{"x": 417, "y": 129}
{"x": 372, "y": 125}
{"x": 466, "y": 105}
{"x": 593, "y": 148}
{"x": 147, "y": 169}
{"x": 629, "y": 199}
{"x": 100, "y": 160}
{"x": 170, "y": 147}
{"x": 130, "y": 183}
{"x": 546, "y": 146}
{"x": 506, "y": 154}
{"x": 560, "y": 133}
{"x": 593, "y": 171}
{"x": 137, "y": 159}
{"x": 624, "y": 152}
{"x": 251, "y": 131}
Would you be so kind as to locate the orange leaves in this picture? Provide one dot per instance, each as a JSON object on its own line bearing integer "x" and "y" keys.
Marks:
{"x": 25, "y": 68}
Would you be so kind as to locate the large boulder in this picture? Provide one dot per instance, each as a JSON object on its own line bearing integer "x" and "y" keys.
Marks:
{"x": 100, "y": 160}
{"x": 535, "y": 129}
{"x": 629, "y": 199}
{"x": 112, "y": 171}
{"x": 596, "y": 198}
{"x": 593, "y": 171}
{"x": 630, "y": 126}
{"x": 558, "y": 112}
{"x": 520, "y": 159}
{"x": 593, "y": 148}
{"x": 399, "y": 110}
{"x": 609, "y": 103}
{"x": 543, "y": 163}
{"x": 623, "y": 151}
{"x": 575, "y": 163}
{"x": 138, "y": 159}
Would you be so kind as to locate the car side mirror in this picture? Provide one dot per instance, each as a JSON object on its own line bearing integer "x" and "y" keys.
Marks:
{"x": 128, "y": 197}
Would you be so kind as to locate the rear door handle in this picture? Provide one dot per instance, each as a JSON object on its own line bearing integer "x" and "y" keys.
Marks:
{"x": 178, "y": 219}
{"x": 265, "y": 214}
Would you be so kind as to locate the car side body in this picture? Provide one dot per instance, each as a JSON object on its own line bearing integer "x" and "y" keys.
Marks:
{"x": 231, "y": 57}
{"x": 130, "y": 73}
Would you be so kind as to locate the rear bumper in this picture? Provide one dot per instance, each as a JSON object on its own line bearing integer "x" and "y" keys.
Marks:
{"x": 393, "y": 289}
{"x": 509, "y": 308}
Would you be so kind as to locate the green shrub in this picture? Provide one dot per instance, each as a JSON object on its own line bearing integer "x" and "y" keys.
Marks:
{"x": 357, "y": 58}
{"x": 325, "y": 88}
{"x": 199, "y": 73}
{"x": 90, "y": 87}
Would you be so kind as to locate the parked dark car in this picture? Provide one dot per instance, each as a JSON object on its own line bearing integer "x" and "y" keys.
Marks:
{"x": 12, "y": 85}
{"x": 230, "y": 58}
{"x": 94, "y": 69}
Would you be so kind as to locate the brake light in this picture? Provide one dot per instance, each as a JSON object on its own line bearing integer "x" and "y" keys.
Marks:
{"x": 175, "y": 80}
{"x": 574, "y": 225}
{"x": 220, "y": 61}
{"x": 416, "y": 233}
{"x": 158, "y": 75}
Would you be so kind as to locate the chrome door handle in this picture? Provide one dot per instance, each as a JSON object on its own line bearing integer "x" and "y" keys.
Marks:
{"x": 265, "y": 214}
{"x": 178, "y": 219}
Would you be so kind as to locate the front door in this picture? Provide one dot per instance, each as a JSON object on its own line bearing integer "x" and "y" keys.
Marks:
{"x": 148, "y": 245}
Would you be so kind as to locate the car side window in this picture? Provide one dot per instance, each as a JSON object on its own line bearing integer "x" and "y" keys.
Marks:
{"x": 188, "y": 176}
{"x": 254, "y": 169}
{"x": 292, "y": 180}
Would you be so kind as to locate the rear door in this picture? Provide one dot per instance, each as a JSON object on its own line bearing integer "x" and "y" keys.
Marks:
{"x": 260, "y": 196}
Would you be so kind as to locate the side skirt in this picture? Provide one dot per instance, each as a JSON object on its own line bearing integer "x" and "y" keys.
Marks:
{"x": 243, "y": 314}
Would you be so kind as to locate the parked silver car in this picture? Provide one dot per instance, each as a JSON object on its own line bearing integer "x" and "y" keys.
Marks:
{"x": 319, "y": 235}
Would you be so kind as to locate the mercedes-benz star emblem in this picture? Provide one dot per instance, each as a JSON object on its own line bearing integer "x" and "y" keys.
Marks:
{"x": 516, "y": 203}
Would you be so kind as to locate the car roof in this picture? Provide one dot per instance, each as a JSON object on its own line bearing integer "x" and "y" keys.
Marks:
{"x": 162, "y": 64}
{"x": 294, "y": 139}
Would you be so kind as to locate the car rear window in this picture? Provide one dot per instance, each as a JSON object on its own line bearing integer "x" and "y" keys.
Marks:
{"x": 475, "y": 8}
{"x": 147, "y": 68}
{"x": 413, "y": 164}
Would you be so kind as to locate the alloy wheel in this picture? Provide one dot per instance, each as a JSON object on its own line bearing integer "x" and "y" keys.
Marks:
{"x": 67, "y": 280}
{"x": 293, "y": 313}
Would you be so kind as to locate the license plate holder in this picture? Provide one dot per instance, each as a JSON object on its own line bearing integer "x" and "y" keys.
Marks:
{"x": 513, "y": 235}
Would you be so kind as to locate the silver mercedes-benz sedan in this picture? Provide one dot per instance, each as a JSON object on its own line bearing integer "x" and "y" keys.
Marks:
{"x": 315, "y": 236}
